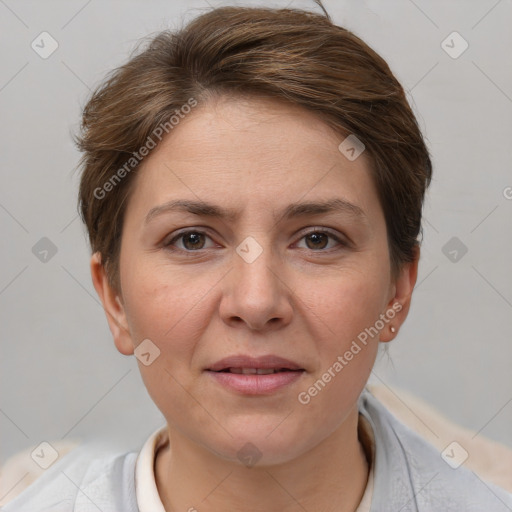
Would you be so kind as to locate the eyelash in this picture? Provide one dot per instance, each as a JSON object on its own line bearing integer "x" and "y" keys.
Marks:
{"x": 323, "y": 231}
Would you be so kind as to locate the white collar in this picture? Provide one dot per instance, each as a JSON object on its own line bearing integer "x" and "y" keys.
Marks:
{"x": 148, "y": 499}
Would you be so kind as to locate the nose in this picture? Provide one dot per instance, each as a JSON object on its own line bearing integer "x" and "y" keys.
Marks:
{"x": 256, "y": 293}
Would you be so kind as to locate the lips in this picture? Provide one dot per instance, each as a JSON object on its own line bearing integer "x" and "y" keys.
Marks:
{"x": 245, "y": 375}
{"x": 247, "y": 365}
{"x": 257, "y": 371}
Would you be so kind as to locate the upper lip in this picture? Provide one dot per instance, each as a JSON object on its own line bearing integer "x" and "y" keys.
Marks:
{"x": 243, "y": 361}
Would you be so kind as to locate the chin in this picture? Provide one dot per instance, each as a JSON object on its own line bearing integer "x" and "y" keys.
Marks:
{"x": 260, "y": 443}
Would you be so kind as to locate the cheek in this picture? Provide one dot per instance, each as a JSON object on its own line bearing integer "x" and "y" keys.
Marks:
{"x": 343, "y": 314}
{"x": 168, "y": 309}
{"x": 162, "y": 301}
{"x": 345, "y": 305}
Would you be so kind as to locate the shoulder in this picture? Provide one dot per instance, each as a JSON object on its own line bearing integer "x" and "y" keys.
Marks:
{"x": 412, "y": 475}
{"x": 87, "y": 478}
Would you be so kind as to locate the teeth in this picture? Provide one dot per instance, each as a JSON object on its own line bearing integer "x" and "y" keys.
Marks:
{"x": 253, "y": 371}
{"x": 265, "y": 371}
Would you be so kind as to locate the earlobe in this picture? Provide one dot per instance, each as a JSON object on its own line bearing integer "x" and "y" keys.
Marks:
{"x": 112, "y": 305}
{"x": 401, "y": 300}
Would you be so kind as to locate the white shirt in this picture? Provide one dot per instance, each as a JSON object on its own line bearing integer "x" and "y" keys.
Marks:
{"x": 148, "y": 499}
{"x": 408, "y": 474}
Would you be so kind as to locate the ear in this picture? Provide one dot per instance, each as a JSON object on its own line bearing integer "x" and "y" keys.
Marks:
{"x": 112, "y": 304}
{"x": 401, "y": 298}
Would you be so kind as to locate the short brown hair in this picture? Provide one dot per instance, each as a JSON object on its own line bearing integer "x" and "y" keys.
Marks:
{"x": 288, "y": 54}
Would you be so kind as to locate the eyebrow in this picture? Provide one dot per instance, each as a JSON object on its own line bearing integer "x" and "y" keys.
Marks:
{"x": 293, "y": 210}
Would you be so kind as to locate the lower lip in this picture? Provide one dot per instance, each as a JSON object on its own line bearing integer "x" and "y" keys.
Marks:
{"x": 256, "y": 384}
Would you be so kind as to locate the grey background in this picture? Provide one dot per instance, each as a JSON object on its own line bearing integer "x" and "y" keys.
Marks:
{"x": 60, "y": 374}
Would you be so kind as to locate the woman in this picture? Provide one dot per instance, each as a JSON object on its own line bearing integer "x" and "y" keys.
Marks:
{"x": 252, "y": 188}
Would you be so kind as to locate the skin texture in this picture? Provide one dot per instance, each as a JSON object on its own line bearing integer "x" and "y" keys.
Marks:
{"x": 302, "y": 298}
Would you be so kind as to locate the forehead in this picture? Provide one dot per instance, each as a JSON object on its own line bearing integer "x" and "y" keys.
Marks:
{"x": 240, "y": 127}
{"x": 248, "y": 151}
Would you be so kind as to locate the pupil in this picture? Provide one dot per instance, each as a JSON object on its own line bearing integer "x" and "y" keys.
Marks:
{"x": 194, "y": 238}
{"x": 317, "y": 237}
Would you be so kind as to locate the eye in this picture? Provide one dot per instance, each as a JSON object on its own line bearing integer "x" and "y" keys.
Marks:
{"x": 318, "y": 240}
{"x": 191, "y": 240}
{"x": 195, "y": 240}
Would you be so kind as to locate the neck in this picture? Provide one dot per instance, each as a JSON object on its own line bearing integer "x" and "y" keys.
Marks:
{"x": 332, "y": 476}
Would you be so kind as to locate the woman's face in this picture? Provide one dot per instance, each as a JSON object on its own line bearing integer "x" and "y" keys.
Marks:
{"x": 203, "y": 286}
